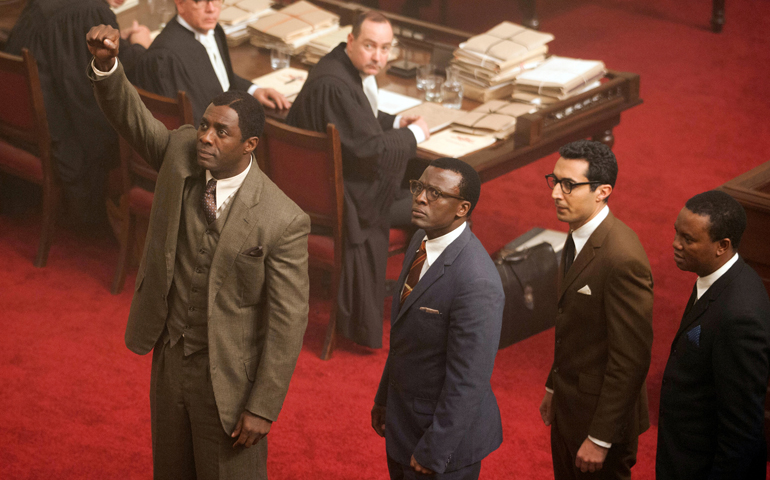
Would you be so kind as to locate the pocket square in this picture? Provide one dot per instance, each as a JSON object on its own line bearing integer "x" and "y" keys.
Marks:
{"x": 254, "y": 252}
{"x": 585, "y": 290}
{"x": 429, "y": 310}
{"x": 694, "y": 336}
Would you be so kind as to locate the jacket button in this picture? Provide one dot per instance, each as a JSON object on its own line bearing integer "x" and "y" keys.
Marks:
{"x": 163, "y": 296}
{"x": 555, "y": 369}
{"x": 202, "y": 251}
{"x": 192, "y": 309}
{"x": 558, "y": 341}
{"x": 560, "y": 310}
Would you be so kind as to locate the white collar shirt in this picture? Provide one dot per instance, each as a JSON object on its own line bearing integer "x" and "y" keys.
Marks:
{"x": 704, "y": 283}
{"x": 434, "y": 248}
{"x": 227, "y": 187}
{"x": 581, "y": 235}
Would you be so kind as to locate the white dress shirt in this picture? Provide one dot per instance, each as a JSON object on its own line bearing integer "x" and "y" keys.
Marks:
{"x": 704, "y": 283}
{"x": 227, "y": 187}
{"x": 434, "y": 248}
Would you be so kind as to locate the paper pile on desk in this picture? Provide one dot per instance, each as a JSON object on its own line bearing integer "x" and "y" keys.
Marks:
{"x": 236, "y": 17}
{"x": 436, "y": 116}
{"x": 558, "y": 78}
{"x": 489, "y": 63}
{"x": 293, "y": 27}
{"x": 496, "y": 118}
{"x": 449, "y": 143}
{"x": 288, "y": 81}
{"x": 318, "y": 47}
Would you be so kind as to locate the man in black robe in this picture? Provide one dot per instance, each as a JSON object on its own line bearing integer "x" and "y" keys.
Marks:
{"x": 85, "y": 146}
{"x": 191, "y": 54}
{"x": 376, "y": 147}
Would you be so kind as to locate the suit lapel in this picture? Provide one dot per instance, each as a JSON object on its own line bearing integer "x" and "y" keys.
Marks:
{"x": 435, "y": 271}
{"x": 241, "y": 220}
{"x": 701, "y": 306}
{"x": 586, "y": 255}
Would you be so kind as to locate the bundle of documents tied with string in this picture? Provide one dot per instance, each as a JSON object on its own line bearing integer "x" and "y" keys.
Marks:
{"x": 235, "y": 18}
{"x": 496, "y": 118}
{"x": 293, "y": 26}
{"x": 556, "y": 79}
{"x": 489, "y": 63}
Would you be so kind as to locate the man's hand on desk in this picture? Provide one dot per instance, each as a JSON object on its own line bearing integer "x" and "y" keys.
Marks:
{"x": 417, "y": 120}
{"x": 271, "y": 98}
{"x": 103, "y": 43}
{"x": 137, "y": 34}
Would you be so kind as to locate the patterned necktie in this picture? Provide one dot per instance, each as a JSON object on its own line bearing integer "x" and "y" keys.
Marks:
{"x": 414, "y": 272}
{"x": 569, "y": 253}
{"x": 209, "y": 201}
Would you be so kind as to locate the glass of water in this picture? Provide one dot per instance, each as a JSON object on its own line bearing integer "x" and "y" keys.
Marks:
{"x": 423, "y": 72}
{"x": 279, "y": 57}
{"x": 432, "y": 88}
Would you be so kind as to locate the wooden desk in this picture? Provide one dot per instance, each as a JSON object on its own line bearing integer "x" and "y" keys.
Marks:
{"x": 590, "y": 115}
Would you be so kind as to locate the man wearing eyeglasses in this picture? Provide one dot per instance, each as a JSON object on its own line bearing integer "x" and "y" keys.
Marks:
{"x": 191, "y": 55}
{"x": 376, "y": 147}
{"x": 434, "y": 404}
{"x": 596, "y": 398}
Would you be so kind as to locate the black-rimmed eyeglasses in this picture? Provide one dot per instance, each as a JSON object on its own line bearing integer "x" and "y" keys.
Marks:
{"x": 432, "y": 193}
{"x": 566, "y": 184}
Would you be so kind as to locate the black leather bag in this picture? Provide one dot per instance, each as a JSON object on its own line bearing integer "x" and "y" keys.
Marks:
{"x": 529, "y": 282}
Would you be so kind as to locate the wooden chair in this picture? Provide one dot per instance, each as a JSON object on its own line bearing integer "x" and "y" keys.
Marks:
{"x": 25, "y": 143}
{"x": 138, "y": 177}
{"x": 307, "y": 166}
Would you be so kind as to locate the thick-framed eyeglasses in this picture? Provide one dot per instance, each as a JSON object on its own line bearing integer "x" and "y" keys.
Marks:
{"x": 431, "y": 193}
{"x": 566, "y": 184}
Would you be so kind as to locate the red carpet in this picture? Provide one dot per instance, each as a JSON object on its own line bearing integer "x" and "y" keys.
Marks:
{"x": 74, "y": 401}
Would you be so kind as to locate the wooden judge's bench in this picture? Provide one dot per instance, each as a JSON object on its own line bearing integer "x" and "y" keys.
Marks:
{"x": 592, "y": 114}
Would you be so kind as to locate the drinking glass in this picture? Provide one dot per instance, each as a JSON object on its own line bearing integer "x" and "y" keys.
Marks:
{"x": 279, "y": 57}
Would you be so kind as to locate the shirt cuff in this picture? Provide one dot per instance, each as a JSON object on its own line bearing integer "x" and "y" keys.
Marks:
{"x": 397, "y": 121}
{"x": 419, "y": 135}
{"x": 253, "y": 88}
{"x": 549, "y": 390}
{"x": 599, "y": 442}
{"x": 99, "y": 73}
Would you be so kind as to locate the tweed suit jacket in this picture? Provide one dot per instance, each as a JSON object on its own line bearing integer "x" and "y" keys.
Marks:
{"x": 603, "y": 339}
{"x": 443, "y": 342}
{"x": 257, "y": 305}
{"x": 712, "y": 401}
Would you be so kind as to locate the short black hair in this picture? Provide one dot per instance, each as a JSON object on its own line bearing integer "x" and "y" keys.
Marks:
{"x": 372, "y": 16}
{"x": 470, "y": 183}
{"x": 727, "y": 216}
{"x": 251, "y": 115}
{"x": 602, "y": 164}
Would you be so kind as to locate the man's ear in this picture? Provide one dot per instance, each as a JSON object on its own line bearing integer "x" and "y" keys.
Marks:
{"x": 250, "y": 145}
{"x": 724, "y": 246}
{"x": 463, "y": 209}
{"x": 603, "y": 192}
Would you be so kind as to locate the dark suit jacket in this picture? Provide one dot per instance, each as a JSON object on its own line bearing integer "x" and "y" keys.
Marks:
{"x": 603, "y": 340}
{"x": 251, "y": 298}
{"x": 440, "y": 405}
{"x": 713, "y": 393}
{"x": 177, "y": 61}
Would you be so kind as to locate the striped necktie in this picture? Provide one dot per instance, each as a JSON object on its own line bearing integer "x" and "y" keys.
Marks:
{"x": 414, "y": 272}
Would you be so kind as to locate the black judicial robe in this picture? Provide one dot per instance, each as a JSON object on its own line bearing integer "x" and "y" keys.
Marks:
{"x": 177, "y": 61}
{"x": 374, "y": 157}
{"x": 84, "y": 144}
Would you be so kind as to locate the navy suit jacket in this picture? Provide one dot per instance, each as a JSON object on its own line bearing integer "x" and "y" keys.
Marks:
{"x": 713, "y": 393}
{"x": 443, "y": 342}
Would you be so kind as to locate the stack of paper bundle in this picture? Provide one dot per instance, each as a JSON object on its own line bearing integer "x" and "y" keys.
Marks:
{"x": 318, "y": 47}
{"x": 293, "y": 27}
{"x": 558, "y": 78}
{"x": 235, "y": 18}
{"x": 496, "y": 118}
{"x": 489, "y": 63}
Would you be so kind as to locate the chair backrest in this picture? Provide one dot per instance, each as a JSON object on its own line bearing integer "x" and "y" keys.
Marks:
{"x": 23, "y": 121}
{"x": 307, "y": 166}
{"x": 173, "y": 113}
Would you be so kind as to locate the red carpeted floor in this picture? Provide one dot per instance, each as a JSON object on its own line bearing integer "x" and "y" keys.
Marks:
{"x": 74, "y": 400}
